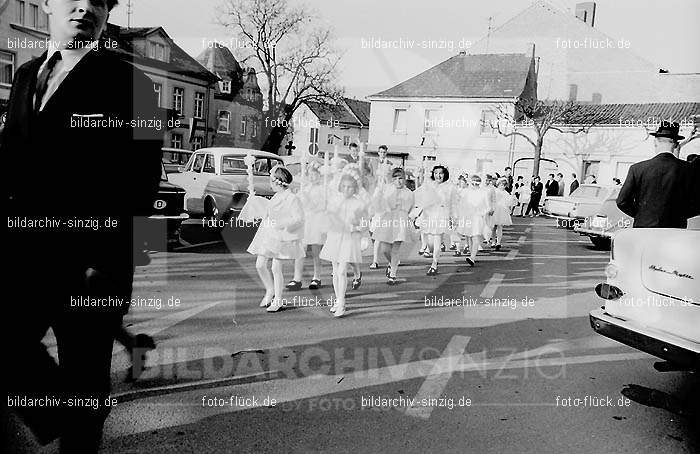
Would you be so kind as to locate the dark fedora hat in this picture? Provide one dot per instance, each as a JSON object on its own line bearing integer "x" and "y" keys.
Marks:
{"x": 668, "y": 129}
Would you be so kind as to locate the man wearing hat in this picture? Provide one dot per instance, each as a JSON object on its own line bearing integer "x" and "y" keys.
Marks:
{"x": 658, "y": 192}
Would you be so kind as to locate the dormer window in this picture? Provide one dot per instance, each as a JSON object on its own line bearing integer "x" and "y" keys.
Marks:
{"x": 156, "y": 51}
{"x": 225, "y": 86}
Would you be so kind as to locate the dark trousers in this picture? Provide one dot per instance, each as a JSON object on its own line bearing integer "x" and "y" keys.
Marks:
{"x": 534, "y": 205}
{"x": 46, "y": 291}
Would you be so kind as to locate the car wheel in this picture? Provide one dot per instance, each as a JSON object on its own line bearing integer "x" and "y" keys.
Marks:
{"x": 601, "y": 242}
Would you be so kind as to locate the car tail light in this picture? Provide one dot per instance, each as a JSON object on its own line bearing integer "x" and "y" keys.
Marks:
{"x": 608, "y": 292}
{"x": 611, "y": 271}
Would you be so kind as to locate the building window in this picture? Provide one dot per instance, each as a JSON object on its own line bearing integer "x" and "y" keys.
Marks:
{"x": 158, "y": 88}
{"x": 19, "y": 11}
{"x": 330, "y": 139}
{"x": 198, "y": 104}
{"x": 176, "y": 141}
{"x": 224, "y": 122}
{"x": 400, "y": 121}
{"x": 346, "y": 140}
{"x": 7, "y": 67}
{"x": 156, "y": 51}
{"x": 225, "y": 86}
{"x": 244, "y": 124}
{"x": 313, "y": 136}
{"x": 597, "y": 98}
{"x": 34, "y": 16}
{"x": 430, "y": 121}
{"x": 488, "y": 120}
{"x": 197, "y": 143}
{"x": 178, "y": 95}
{"x": 254, "y": 132}
{"x": 483, "y": 165}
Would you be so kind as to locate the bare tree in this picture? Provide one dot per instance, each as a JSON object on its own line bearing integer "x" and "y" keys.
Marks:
{"x": 295, "y": 57}
{"x": 532, "y": 120}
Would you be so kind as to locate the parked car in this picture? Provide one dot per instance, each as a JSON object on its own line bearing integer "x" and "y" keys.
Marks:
{"x": 163, "y": 226}
{"x": 216, "y": 180}
{"x": 607, "y": 220}
{"x": 652, "y": 294}
{"x": 584, "y": 203}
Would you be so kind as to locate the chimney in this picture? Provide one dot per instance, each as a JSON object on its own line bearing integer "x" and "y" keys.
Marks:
{"x": 586, "y": 12}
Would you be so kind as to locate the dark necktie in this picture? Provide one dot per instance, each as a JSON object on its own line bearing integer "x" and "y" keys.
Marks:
{"x": 42, "y": 82}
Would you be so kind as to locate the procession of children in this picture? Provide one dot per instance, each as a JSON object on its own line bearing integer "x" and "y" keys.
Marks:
{"x": 344, "y": 209}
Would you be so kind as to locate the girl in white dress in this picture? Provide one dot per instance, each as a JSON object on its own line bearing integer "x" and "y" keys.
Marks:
{"x": 395, "y": 227}
{"x": 382, "y": 176}
{"x": 476, "y": 207}
{"x": 348, "y": 218}
{"x": 491, "y": 191}
{"x": 313, "y": 199}
{"x": 462, "y": 186}
{"x": 501, "y": 214}
{"x": 524, "y": 199}
{"x": 437, "y": 214}
{"x": 278, "y": 237}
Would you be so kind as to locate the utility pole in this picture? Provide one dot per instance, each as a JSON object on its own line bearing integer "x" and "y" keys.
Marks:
{"x": 488, "y": 35}
{"x": 129, "y": 11}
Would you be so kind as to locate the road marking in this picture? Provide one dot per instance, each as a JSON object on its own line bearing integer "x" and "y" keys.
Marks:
{"x": 492, "y": 285}
{"x": 435, "y": 383}
{"x": 511, "y": 255}
{"x": 183, "y": 408}
{"x": 521, "y": 240}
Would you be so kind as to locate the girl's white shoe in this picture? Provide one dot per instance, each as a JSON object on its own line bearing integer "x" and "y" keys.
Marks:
{"x": 339, "y": 311}
{"x": 275, "y": 305}
{"x": 266, "y": 300}
{"x": 334, "y": 307}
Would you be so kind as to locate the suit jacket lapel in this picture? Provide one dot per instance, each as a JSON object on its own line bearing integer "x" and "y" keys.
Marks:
{"x": 65, "y": 88}
{"x": 27, "y": 89}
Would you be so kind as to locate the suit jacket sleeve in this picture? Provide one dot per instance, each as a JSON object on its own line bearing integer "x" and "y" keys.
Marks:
{"x": 626, "y": 200}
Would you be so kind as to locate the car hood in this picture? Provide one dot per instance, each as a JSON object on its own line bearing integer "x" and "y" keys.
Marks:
{"x": 669, "y": 269}
{"x": 562, "y": 205}
{"x": 261, "y": 183}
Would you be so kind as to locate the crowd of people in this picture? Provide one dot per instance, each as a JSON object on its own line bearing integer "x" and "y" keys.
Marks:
{"x": 347, "y": 208}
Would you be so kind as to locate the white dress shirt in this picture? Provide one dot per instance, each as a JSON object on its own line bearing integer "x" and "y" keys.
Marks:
{"x": 69, "y": 58}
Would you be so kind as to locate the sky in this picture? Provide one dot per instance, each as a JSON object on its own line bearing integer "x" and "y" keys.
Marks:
{"x": 663, "y": 32}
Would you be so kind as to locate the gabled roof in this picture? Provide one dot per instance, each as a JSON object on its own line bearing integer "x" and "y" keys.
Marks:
{"x": 468, "y": 76}
{"x": 180, "y": 61}
{"x": 219, "y": 60}
{"x": 353, "y": 113}
{"x": 629, "y": 114}
{"x": 360, "y": 109}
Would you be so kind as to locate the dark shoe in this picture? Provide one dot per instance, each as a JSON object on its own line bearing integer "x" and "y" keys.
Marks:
{"x": 497, "y": 247}
{"x": 144, "y": 341}
{"x": 453, "y": 247}
{"x": 428, "y": 255}
{"x": 458, "y": 253}
{"x": 388, "y": 270}
{"x": 391, "y": 280}
{"x": 470, "y": 262}
{"x": 315, "y": 284}
{"x": 465, "y": 251}
{"x": 431, "y": 271}
{"x": 442, "y": 247}
{"x": 294, "y": 285}
{"x": 357, "y": 282}
{"x": 373, "y": 266}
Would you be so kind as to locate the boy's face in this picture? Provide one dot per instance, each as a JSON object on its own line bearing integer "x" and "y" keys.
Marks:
{"x": 76, "y": 20}
{"x": 399, "y": 181}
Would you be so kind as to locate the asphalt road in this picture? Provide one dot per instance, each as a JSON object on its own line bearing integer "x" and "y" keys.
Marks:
{"x": 517, "y": 368}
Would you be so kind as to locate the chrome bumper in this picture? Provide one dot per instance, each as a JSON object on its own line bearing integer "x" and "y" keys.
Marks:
{"x": 657, "y": 343}
{"x": 180, "y": 217}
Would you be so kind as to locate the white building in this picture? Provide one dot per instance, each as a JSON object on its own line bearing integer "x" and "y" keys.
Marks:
{"x": 320, "y": 127}
{"x": 444, "y": 114}
{"x": 579, "y": 62}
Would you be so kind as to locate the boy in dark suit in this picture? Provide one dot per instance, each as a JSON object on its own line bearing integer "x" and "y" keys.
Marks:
{"x": 86, "y": 167}
{"x": 658, "y": 192}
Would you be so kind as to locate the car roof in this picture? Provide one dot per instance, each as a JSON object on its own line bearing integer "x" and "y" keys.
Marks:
{"x": 222, "y": 151}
